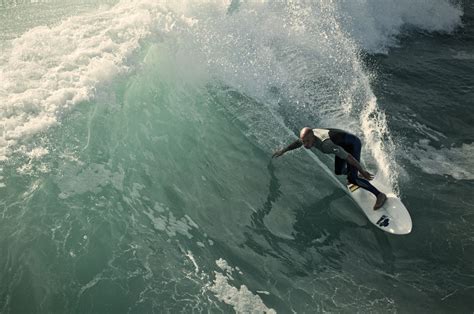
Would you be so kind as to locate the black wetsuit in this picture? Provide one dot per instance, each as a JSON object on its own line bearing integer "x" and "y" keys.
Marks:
{"x": 350, "y": 144}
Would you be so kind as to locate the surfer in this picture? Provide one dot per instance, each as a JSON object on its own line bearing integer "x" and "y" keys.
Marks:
{"x": 347, "y": 148}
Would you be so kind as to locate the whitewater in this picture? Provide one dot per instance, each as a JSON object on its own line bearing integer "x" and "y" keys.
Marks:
{"x": 135, "y": 155}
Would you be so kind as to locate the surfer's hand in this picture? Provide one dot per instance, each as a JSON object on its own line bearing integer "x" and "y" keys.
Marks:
{"x": 278, "y": 153}
{"x": 367, "y": 174}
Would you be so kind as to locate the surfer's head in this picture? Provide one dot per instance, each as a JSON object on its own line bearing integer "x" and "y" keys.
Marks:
{"x": 307, "y": 137}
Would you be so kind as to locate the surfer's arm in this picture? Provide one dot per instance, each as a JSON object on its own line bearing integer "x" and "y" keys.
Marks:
{"x": 296, "y": 144}
{"x": 353, "y": 162}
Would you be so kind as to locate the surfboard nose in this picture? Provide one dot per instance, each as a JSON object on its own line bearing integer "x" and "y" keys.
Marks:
{"x": 401, "y": 220}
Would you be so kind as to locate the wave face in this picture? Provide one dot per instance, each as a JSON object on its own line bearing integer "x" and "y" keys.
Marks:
{"x": 308, "y": 53}
{"x": 134, "y": 154}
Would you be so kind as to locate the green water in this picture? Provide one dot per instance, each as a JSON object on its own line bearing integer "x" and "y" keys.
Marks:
{"x": 158, "y": 193}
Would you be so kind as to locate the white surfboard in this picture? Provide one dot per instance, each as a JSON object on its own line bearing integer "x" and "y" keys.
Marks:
{"x": 392, "y": 217}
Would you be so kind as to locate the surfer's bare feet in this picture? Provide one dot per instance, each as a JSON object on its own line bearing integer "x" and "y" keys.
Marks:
{"x": 381, "y": 198}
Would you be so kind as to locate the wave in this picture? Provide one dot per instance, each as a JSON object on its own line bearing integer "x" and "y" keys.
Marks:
{"x": 298, "y": 60}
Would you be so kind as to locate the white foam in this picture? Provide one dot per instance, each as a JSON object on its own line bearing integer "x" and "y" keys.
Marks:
{"x": 242, "y": 299}
{"x": 164, "y": 220}
{"x": 2, "y": 185}
{"x": 37, "y": 152}
{"x": 190, "y": 255}
{"x": 463, "y": 55}
{"x": 376, "y": 24}
{"x": 222, "y": 263}
{"x": 381, "y": 147}
{"x": 75, "y": 180}
{"x": 48, "y": 70}
{"x": 456, "y": 162}
{"x": 263, "y": 292}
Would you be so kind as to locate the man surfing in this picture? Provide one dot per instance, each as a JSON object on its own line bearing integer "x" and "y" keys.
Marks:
{"x": 347, "y": 148}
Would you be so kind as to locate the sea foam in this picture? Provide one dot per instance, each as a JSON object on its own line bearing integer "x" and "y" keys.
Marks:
{"x": 455, "y": 161}
{"x": 376, "y": 24}
{"x": 48, "y": 70}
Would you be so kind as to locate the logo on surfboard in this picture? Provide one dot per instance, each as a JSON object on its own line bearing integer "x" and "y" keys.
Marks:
{"x": 384, "y": 221}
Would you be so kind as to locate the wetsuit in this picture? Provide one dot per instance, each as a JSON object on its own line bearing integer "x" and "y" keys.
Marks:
{"x": 341, "y": 144}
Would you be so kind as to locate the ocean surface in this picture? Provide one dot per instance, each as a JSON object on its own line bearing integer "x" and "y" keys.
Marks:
{"x": 135, "y": 156}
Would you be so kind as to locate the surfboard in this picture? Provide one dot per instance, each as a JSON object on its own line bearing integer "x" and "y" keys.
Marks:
{"x": 392, "y": 217}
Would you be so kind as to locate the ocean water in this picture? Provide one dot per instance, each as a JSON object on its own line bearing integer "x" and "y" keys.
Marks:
{"x": 135, "y": 156}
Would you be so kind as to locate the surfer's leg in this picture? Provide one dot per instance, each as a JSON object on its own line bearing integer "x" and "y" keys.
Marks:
{"x": 340, "y": 166}
{"x": 353, "y": 176}
{"x": 363, "y": 183}
{"x": 353, "y": 145}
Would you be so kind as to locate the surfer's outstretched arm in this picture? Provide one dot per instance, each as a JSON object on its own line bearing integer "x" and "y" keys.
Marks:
{"x": 296, "y": 144}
